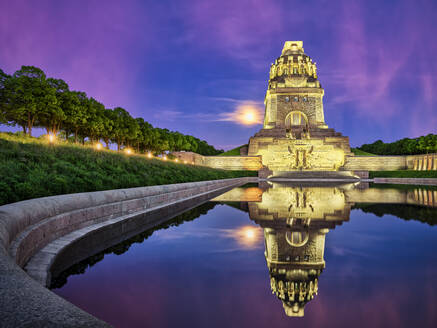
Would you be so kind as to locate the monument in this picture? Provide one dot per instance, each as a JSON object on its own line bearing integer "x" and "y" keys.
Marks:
{"x": 295, "y": 141}
{"x": 294, "y": 135}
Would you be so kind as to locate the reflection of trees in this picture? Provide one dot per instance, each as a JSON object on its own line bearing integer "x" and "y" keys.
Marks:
{"x": 407, "y": 212}
{"x": 80, "y": 268}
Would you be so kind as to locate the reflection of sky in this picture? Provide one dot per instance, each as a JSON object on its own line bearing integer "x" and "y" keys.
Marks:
{"x": 380, "y": 272}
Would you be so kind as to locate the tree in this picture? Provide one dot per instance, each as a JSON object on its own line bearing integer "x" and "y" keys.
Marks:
{"x": 95, "y": 123}
{"x": 28, "y": 95}
{"x": 125, "y": 127}
{"x": 53, "y": 114}
{"x": 108, "y": 126}
{"x": 3, "y": 103}
{"x": 28, "y": 98}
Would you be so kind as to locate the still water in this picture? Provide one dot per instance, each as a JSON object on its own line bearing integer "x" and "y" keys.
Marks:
{"x": 273, "y": 255}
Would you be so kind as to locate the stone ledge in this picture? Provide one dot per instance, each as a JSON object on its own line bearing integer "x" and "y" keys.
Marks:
{"x": 413, "y": 181}
{"x": 25, "y": 302}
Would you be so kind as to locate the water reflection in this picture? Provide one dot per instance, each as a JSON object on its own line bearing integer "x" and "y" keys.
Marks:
{"x": 248, "y": 236}
{"x": 295, "y": 222}
{"x": 367, "y": 273}
{"x": 296, "y": 219}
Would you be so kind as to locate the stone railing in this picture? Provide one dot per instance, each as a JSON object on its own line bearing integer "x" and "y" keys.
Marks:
{"x": 28, "y": 226}
{"x": 375, "y": 163}
{"x": 250, "y": 163}
{"x": 425, "y": 162}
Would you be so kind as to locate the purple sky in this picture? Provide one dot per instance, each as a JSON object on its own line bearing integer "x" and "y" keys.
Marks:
{"x": 185, "y": 65}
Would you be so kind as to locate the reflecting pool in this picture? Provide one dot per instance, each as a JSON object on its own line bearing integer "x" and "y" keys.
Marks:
{"x": 273, "y": 255}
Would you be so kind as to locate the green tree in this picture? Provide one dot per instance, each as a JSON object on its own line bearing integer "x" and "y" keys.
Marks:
{"x": 53, "y": 114}
{"x": 95, "y": 124}
{"x": 108, "y": 126}
{"x": 3, "y": 101}
{"x": 26, "y": 95}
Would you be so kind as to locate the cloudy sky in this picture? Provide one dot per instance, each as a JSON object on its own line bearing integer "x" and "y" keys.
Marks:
{"x": 188, "y": 65}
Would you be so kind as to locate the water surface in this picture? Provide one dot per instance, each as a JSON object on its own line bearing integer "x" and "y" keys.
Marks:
{"x": 274, "y": 255}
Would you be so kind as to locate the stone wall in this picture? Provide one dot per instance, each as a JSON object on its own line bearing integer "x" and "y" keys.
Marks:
{"x": 412, "y": 181}
{"x": 250, "y": 163}
{"x": 425, "y": 162}
{"x": 351, "y": 163}
{"x": 27, "y": 227}
{"x": 375, "y": 163}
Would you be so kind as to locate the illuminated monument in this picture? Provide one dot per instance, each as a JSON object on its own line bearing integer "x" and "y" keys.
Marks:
{"x": 295, "y": 222}
{"x": 295, "y": 141}
{"x": 295, "y": 135}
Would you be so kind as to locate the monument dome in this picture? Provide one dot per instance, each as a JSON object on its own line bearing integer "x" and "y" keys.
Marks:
{"x": 293, "y": 67}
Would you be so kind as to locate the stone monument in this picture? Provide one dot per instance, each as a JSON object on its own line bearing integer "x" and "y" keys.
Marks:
{"x": 295, "y": 142}
{"x": 295, "y": 136}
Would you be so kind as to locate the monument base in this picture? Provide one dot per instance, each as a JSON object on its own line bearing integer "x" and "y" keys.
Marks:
{"x": 300, "y": 149}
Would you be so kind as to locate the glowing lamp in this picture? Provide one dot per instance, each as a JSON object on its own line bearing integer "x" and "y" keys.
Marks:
{"x": 128, "y": 151}
{"x": 164, "y": 158}
{"x": 176, "y": 160}
{"x": 51, "y": 138}
{"x": 98, "y": 146}
{"x": 149, "y": 155}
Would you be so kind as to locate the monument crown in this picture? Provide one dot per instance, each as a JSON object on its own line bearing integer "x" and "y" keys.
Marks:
{"x": 293, "y": 46}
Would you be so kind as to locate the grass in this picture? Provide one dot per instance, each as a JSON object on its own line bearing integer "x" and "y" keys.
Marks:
{"x": 31, "y": 168}
{"x": 233, "y": 152}
{"x": 402, "y": 174}
{"x": 359, "y": 152}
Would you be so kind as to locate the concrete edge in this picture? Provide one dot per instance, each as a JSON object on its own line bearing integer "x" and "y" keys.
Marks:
{"x": 412, "y": 181}
{"x": 39, "y": 266}
{"x": 26, "y": 303}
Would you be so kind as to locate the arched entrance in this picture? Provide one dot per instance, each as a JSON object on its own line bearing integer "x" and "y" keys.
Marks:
{"x": 295, "y": 118}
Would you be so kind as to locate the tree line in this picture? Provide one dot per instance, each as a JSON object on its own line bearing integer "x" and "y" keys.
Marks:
{"x": 28, "y": 98}
{"x": 421, "y": 145}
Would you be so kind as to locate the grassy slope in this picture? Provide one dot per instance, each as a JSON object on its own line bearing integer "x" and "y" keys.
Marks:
{"x": 232, "y": 152}
{"x": 359, "y": 152}
{"x": 31, "y": 168}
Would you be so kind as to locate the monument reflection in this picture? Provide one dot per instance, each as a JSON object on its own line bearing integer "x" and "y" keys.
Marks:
{"x": 296, "y": 220}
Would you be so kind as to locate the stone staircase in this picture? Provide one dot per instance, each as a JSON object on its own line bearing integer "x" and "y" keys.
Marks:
{"x": 314, "y": 175}
{"x": 315, "y": 132}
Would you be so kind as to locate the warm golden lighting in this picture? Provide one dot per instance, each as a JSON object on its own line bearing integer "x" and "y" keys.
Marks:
{"x": 248, "y": 113}
{"x": 176, "y": 160}
{"x": 149, "y": 155}
{"x": 164, "y": 157}
{"x": 52, "y": 138}
{"x": 185, "y": 162}
{"x": 249, "y": 117}
{"x": 128, "y": 151}
{"x": 248, "y": 236}
{"x": 98, "y": 146}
